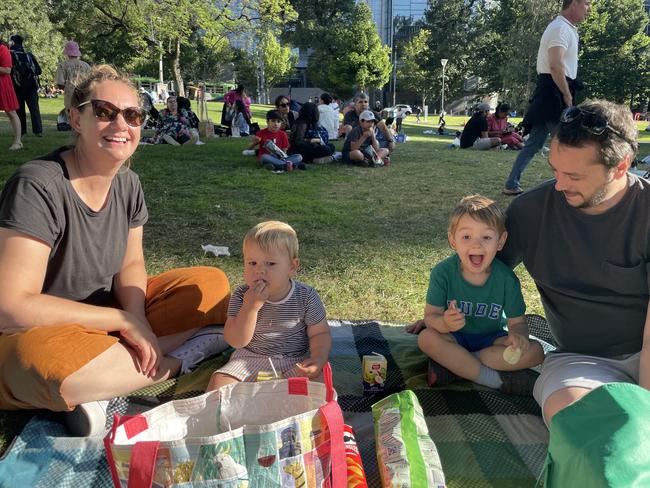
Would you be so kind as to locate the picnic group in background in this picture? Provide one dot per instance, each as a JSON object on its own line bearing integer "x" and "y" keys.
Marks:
{"x": 175, "y": 125}
{"x": 475, "y": 134}
{"x": 275, "y": 323}
{"x": 8, "y": 101}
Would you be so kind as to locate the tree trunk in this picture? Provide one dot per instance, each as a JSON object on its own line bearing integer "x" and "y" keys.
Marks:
{"x": 176, "y": 67}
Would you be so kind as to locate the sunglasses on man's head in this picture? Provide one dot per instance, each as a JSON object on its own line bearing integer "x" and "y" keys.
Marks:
{"x": 107, "y": 112}
{"x": 593, "y": 123}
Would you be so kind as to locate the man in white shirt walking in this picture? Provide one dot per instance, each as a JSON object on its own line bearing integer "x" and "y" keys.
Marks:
{"x": 557, "y": 71}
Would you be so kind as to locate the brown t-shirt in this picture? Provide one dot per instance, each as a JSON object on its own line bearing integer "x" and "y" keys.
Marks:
{"x": 67, "y": 74}
{"x": 87, "y": 247}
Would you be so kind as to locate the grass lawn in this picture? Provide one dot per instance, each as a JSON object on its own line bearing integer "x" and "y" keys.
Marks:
{"x": 368, "y": 237}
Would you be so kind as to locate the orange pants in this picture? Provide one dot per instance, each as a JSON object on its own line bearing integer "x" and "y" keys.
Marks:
{"x": 33, "y": 364}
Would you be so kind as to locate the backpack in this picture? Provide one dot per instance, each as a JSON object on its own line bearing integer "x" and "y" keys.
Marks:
{"x": 24, "y": 73}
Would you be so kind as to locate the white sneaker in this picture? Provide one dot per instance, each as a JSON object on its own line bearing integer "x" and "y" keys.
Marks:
{"x": 87, "y": 419}
{"x": 170, "y": 140}
{"x": 205, "y": 343}
{"x": 248, "y": 152}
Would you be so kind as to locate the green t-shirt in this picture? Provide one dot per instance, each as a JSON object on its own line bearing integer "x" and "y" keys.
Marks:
{"x": 485, "y": 307}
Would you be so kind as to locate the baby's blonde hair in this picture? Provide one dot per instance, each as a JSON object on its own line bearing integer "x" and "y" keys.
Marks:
{"x": 274, "y": 235}
{"x": 481, "y": 209}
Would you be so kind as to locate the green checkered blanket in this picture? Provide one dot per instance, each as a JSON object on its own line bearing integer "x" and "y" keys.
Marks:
{"x": 484, "y": 438}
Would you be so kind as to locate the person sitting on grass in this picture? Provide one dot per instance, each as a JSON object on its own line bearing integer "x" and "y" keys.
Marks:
{"x": 498, "y": 127}
{"x": 352, "y": 118}
{"x": 241, "y": 122}
{"x": 309, "y": 138}
{"x": 361, "y": 140}
{"x": 471, "y": 297}
{"x": 475, "y": 133}
{"x": 174, "y": 125}
{"x": 273, "y": 317}
{"x": 81, "y": 322}
{"x": 273, "y": 145}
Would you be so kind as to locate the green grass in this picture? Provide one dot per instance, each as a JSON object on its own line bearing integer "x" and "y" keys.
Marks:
{"x": 368, "y": 237}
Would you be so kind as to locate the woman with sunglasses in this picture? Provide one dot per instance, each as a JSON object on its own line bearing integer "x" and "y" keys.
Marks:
{"x": 174, "y": 125}
{"x": 80, "y": 321}
{"x": 289, "y": 117}
{"x": 8, "y": 100}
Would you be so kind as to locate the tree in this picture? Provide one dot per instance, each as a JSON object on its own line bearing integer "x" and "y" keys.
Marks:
{"x": 507, "y": 48}
{"x": 130, "y": 32}
{"x": 353, "y": 55}
{"x": 455, "y": 26}
{"x": 30, "y": 20}
{"x": 615, "y": 52}
{"x": 415, "y": 74}
{"x": 314, "y": 21}
{"x": 278, "y": 61}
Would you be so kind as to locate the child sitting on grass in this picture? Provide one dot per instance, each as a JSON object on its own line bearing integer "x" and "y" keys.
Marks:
{"x": 276, "y": 324}
{"x": 273, "y": 134}
{"x": 471, "y": 297}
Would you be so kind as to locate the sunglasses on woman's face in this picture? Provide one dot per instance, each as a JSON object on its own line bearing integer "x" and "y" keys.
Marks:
{"x": 283, "y": 105}
{"x": 107, "y": 112}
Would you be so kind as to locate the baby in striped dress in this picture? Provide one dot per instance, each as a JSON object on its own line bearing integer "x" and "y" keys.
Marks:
{"x": 275, "y": 323}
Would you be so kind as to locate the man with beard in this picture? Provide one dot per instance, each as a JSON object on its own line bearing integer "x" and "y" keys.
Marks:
{"x": 584, "y": 237}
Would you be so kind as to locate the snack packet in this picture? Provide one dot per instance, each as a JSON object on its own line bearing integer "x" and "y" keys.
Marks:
{"x": 406, "y": 455}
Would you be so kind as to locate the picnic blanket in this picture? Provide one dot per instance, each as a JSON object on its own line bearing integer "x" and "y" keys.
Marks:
{"x": 484, "y": 438}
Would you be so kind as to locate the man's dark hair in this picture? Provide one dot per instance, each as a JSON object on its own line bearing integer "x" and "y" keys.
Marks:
{"x": 17, "y": 39}
{"x": 326, "y": 98}
{"x": 273, "y": 115}
{"x": 614, "y": 144}
{"x": 567, "y": 3}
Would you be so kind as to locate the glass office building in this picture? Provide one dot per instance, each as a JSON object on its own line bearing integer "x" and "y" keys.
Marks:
{"x": 384, "y": 11}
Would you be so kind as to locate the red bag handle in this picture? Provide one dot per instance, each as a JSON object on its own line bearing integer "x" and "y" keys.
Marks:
{"x": 334, "y": 418}
{"x": 143, "y": 454}
{"x": 143, "y": 464}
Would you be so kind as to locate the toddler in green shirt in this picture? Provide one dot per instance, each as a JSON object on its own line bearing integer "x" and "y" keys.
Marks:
{"x": 472, "y": 298}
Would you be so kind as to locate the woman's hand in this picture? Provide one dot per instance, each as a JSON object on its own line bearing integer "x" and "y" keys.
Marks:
{"x": 137, "y": 333}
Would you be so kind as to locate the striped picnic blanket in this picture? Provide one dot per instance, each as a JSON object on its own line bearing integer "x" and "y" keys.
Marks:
{"x": 484, "y": 438}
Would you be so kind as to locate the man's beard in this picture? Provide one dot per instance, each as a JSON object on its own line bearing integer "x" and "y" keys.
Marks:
{"x": 599, "y": 196}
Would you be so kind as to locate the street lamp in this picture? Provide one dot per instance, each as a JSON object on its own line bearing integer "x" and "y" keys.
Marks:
{"x": 443, "y": 62}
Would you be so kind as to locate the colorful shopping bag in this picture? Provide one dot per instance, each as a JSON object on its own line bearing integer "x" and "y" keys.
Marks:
{"x": 277, "y": 433}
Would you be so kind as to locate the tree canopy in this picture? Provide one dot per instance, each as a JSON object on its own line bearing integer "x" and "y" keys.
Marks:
{"x": 493, "y": 41}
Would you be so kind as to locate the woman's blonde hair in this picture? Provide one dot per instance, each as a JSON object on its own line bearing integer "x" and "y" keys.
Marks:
{"x": 274, "y": 235}
{"x": 481, "y": 209}
{"x": 85, "y": 83}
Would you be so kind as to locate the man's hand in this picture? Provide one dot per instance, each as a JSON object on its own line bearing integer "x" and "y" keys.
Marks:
{"x": 416, "y": 327}
{"x": 568, "y": 101}
{"x": 310, "y": 367}
{"x": 257, "y": 294}
{"x": 454, "y": 319}
{"x": 137, "y": 333}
